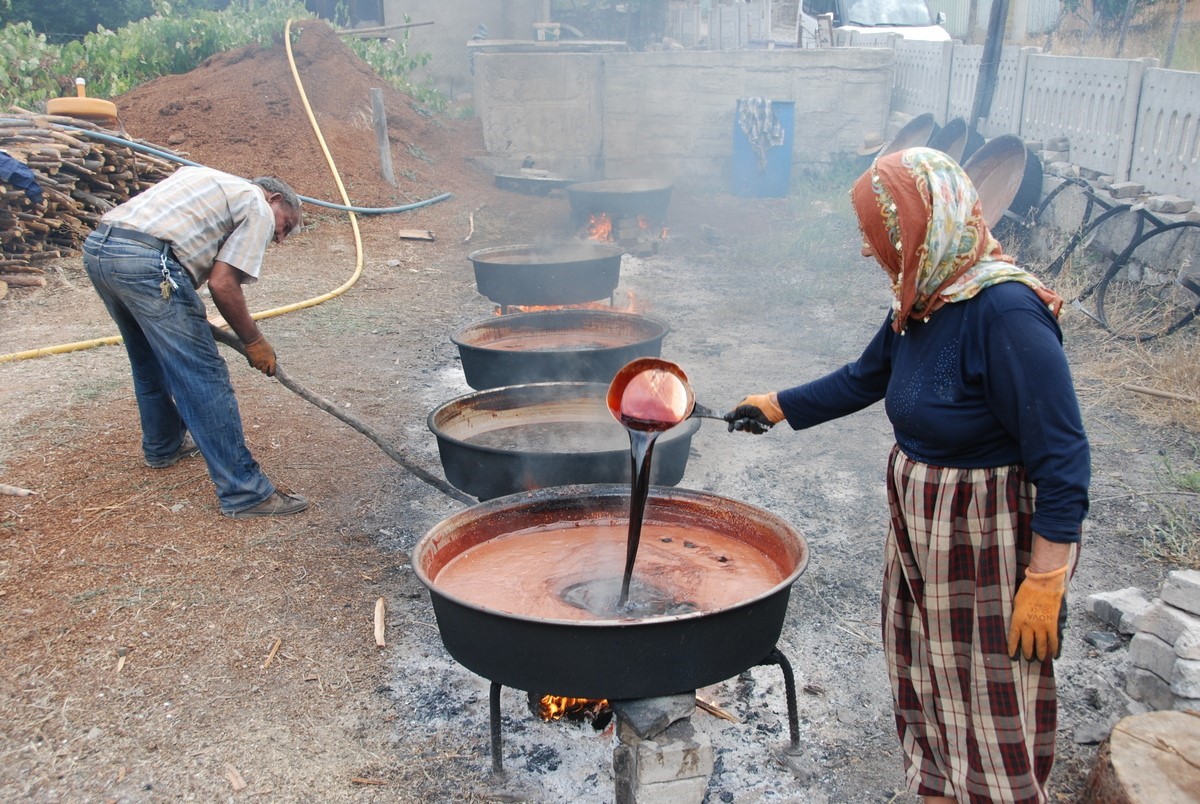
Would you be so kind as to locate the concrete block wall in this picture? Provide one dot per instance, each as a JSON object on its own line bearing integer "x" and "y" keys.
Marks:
{"x": 549, "y": 106}
{"x": 1004, "y": 117}
{"x": 449, "y": 70}
{"x": 1167, "y": 143}
{"x": 1091, "y": 101}
{"x": 671, "y": 114}
{"x": 922, "y": 78}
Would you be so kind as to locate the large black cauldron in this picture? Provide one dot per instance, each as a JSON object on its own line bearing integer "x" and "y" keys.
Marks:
{"x": 612, "y": 659}
{"x": 579, "y": 345}
{"x": 521, "y": 437}
{"x": 547, "y": 274}
{"x": 619, "y": 198}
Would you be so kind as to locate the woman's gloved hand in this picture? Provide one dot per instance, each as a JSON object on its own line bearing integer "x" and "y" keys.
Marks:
{"x": 1038, "y": 616}
{"x": 755, "y": 414}
{"x": 261, "y": 356}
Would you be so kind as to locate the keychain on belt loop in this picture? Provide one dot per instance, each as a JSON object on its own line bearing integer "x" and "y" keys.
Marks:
{"x": 168, "y": 283}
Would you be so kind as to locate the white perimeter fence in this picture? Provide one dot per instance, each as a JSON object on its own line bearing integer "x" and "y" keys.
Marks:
{"x": 1124, "y": 118}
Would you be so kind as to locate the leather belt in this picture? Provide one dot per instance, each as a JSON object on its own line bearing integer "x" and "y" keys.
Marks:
{"x": 107, "y": 230}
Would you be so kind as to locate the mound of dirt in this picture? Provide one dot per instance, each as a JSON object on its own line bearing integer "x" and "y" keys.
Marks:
{"x": 241, "y": 112}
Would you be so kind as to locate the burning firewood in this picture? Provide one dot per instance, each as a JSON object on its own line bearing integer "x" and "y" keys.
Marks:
{"x": 714, "y": 710}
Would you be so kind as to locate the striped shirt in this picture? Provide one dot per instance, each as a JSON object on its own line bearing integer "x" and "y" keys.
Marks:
{"x": 205, "y": 215}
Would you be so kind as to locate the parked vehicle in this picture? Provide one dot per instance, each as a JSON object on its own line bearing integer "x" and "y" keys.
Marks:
{"x": 909, "y": 19}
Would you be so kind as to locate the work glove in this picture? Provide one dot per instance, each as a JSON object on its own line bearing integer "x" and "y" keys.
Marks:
{"x": 261, "y": 356}
{"x": 755, "y": 414}
{"x": 1039, "y": 615}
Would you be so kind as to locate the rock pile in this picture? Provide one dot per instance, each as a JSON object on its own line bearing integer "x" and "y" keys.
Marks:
{"x": 1164, "y": 654}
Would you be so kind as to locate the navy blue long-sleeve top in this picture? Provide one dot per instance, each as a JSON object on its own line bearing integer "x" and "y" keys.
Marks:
{"x": 982, "y": 383}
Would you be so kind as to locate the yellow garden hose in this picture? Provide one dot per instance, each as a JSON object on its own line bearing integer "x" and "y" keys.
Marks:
{"x": 112, "y": 340}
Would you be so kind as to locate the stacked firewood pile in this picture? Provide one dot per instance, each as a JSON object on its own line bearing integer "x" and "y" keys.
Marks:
{"x": 82, "y": 178}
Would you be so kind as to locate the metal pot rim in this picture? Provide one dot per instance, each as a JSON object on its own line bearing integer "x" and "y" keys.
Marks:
{"x": 685, "y": 429}
{"x": 499, "y": 320}
{"x": 599, "y": 251}
{"x": 594, "y": 491}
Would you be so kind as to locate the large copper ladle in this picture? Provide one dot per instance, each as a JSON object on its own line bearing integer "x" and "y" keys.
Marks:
{"x": 674, "y": 410}
{"x": 647, "y": 396}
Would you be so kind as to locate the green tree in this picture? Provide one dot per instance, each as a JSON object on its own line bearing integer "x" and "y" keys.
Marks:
{"x": 71, "y": 19}
{"x": 60, "y": 20}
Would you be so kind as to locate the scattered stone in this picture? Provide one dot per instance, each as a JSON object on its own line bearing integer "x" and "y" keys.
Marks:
{"x": 680, "y": 753}
{"x": 1185, "y": 678}
{"x": 1173, "y": 204}
{"x": 393, "y": 263}
{"x": 1058, "y": 144}
{"x": 646, "y": 718}
{"x": 1093, "y": 732}
{"x": 1106, "y": 641}
{"x": 1148, "y": 652}
{"x": 1182, "y": 590}
{"x": 1193, "y": 216}
{"x": 1126, "y": 189}
{"x": 1095, "y": 175}
{"x": 1173, "y": 626}
{"x": 1119, "y": 609}
{"x": 1063, "y": 169}
{"x": 1142, "y": 685}
{"x": 1054, "y": 156}
{"x": 804, "y": 766}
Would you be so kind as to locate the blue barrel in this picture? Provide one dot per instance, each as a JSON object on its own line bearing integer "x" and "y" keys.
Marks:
{"x": 763, "y": 132}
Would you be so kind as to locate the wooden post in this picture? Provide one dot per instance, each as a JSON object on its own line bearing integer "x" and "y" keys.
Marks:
{"x": 381, "y": 136}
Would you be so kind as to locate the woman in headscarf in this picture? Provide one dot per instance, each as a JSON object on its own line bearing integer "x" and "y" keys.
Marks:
{"x": 987, "y": 483}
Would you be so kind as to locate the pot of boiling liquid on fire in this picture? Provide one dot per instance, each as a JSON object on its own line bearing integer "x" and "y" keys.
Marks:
{"x": 606, "y": 591}
{"x": 547, "y": 274}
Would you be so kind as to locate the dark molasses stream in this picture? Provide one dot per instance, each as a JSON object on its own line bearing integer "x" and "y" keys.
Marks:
{"x": 654, "y": 401}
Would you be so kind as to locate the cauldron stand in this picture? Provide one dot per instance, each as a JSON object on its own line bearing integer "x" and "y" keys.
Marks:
{"x": 774, "y": 657}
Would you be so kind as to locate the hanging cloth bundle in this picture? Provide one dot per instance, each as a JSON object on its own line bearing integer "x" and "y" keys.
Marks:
{"x": 761, "y": 127}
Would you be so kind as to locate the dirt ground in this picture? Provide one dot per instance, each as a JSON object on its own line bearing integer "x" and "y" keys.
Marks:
{"x": 152, "y": 650}
{"x": 155, "y": 650}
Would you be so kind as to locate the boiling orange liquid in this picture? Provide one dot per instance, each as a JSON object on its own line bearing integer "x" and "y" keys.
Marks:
{"x": 526, "y": 573}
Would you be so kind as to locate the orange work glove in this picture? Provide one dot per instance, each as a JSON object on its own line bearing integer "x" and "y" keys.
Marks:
{"x": 1039, "y": 612}
{"x": 755, "y": 414}
{"x": 261, "y": 356}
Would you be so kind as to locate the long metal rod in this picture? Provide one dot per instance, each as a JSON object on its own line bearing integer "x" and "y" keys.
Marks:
{"x": 232, "y": 341}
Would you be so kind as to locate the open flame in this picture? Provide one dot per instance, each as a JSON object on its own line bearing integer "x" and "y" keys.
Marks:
{"x": 600, "y": 227}
{"x": 623, "y": 301}
{"x": 556, "y": 707}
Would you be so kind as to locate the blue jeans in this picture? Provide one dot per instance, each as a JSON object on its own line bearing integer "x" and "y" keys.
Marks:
{"x": 181, "y": 382}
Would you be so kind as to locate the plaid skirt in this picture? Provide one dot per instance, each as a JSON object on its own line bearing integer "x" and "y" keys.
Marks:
{"x": 974, "y": 724}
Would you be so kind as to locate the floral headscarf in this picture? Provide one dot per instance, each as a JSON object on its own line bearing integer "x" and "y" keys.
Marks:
{"x": 920, "y": 214}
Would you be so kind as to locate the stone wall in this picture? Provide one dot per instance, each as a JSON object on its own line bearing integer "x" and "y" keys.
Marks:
{"x": 670, "y": 114}
{"x": 454, "y": 23}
